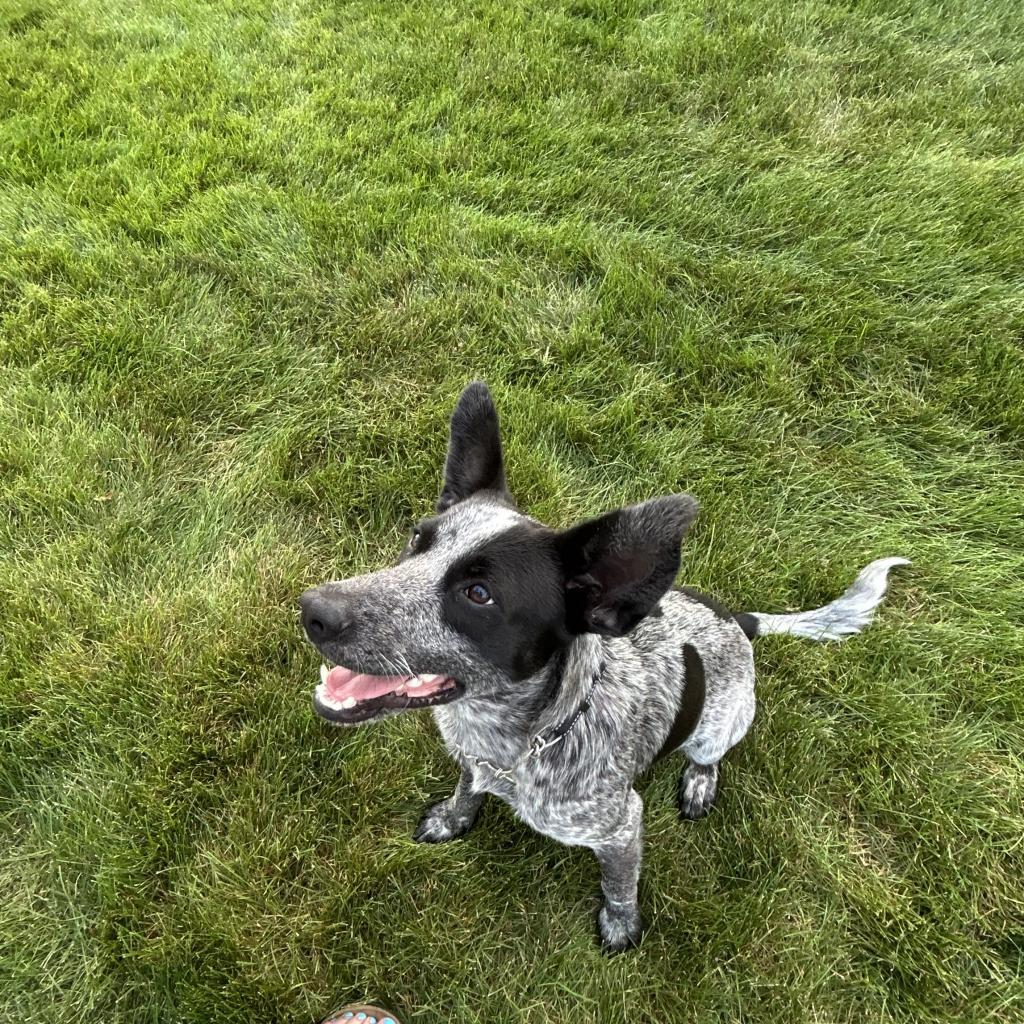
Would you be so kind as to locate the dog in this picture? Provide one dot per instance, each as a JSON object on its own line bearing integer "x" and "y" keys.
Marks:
{"x": 558, "y": 664}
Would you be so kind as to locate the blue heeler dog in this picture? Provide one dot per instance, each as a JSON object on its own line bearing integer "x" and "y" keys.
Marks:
{"x": 558, "y": 664}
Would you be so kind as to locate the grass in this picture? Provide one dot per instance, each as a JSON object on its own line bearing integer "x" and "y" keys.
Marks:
{"x": 249, "y": 253}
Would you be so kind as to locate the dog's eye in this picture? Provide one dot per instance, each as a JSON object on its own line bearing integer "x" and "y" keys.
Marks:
{"x": 414, "y": 539}
{"x": 479, "y": 594}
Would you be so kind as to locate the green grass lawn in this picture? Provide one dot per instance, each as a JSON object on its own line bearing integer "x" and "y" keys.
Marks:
{"x": 768, "y": 253}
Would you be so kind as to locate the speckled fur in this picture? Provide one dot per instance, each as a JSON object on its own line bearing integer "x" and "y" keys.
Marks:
{"x": 580, "y": 790}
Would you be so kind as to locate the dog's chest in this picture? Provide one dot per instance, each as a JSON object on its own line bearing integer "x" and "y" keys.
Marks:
{"x": 497, "y": 757}
{"x": 485, "y": 742}
{"x": 564, "y": 797}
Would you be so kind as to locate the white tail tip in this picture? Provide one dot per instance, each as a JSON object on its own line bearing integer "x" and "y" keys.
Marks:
{"x": 847, "y": 614}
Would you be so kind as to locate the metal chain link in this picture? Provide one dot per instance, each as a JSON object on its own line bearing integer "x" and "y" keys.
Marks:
{"x": 540, "y": 742}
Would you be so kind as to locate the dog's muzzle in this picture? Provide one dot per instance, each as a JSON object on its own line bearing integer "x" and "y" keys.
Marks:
{"x": 347, "y": 696}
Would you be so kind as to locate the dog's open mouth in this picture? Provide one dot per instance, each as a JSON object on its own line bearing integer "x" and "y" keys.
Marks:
{"x": 347, "y": 696}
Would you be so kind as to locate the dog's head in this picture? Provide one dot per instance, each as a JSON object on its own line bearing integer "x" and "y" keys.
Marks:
{"x": 483, "y": 597}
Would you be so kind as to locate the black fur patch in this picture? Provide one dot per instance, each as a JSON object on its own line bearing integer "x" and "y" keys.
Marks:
{"x": 708, "y": 601}
{"x": 745, "y": 620}
{"x": 748, "y": 623}
{"x": 525, "y": 626}
{"x": 692, "y": 704}
{"x": 424, "y": 533}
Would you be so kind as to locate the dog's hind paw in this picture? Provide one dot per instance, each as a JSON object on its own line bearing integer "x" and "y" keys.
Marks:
{"x": 440, "y": 824}
{"x": 698, "y": 788}
{"x": 619, "y": 927}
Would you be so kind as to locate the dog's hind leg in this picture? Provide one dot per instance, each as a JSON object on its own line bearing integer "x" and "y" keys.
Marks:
{"x": 727, "y": 716}
{"x": 453, "y": 817}
{"x": 698, "y": 788}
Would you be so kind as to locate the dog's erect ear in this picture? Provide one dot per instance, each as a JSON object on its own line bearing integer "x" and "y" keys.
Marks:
{"x": 618, "y": 566}
{"x": 474, "y": 461}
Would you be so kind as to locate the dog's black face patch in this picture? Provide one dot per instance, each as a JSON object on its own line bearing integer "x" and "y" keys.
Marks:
{"x": 421, "y": 536}
{"x": 507, "y": 598}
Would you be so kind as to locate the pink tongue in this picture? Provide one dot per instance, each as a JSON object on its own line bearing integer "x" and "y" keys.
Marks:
{"x": 343, "y": 683}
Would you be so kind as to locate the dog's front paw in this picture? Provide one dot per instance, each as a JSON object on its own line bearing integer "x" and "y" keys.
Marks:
{"x": 619, "y": 927}
{"x": 440, "y": 824}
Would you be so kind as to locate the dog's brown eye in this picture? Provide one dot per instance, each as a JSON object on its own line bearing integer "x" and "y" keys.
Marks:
{"x": 479, "y": 594}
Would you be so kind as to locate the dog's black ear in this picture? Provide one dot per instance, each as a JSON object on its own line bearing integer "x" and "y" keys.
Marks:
{"x": 474, "y": 461}
{"x": 618, "y": 566}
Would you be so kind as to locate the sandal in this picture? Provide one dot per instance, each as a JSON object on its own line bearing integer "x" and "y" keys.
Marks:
{"x": 361, "y": 1013}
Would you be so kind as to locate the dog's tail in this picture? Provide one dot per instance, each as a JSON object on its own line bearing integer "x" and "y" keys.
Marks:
{"x": 847, "y": 614}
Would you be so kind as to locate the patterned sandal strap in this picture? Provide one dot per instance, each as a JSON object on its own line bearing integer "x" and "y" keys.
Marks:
{"x": 361, "y": 1013}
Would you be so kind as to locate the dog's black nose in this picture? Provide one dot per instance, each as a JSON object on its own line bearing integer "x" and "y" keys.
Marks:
{"x": 324, "y": 617}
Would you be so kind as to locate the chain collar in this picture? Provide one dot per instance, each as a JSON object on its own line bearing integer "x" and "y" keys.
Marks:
{"x": 543, "y": 740}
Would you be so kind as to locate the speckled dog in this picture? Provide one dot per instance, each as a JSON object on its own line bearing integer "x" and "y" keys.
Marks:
{"x": 559, "y": 664}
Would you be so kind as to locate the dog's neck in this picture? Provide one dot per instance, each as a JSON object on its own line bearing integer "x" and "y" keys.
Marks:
{"x": 501, "y": 724}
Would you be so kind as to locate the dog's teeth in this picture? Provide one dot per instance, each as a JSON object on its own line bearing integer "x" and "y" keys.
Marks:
{"x": 348, "y": 702}
{"x": 323, "y": 673}
{"x": 414, "y": 682}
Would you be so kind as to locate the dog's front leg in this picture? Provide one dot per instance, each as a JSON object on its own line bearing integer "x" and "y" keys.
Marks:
{"x": 453, "y": 817}
{"x": 619, "y": 856}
